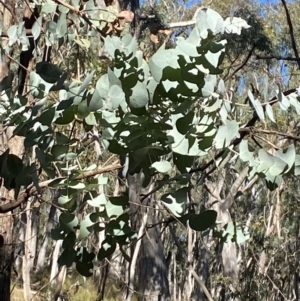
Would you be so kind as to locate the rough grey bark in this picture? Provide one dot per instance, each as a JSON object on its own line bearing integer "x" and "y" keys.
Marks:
{"x": 153, "y": 282}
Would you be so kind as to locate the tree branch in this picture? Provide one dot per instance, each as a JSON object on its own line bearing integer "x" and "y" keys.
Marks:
{"x": 31, "y": 189}
{"x": 267, "y": 132}
{"x": 201, "y": 283}
{"x": 243, "y": 64}
{"x": 289, "y": 21}
{"x": 234, "y": 189}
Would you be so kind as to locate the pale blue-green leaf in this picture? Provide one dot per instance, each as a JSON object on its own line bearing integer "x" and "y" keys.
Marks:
{"x": 63, "y": 95}
{"x": 83, "y": 109}
{"x": 36, "y": 28}
{"x": 176, "y": 201}
{"x": 86, "y": 81}
{"x": 139, "y": 97}
{"x": 12, "y": 33}
{"x": 269, "y": 112}
{"x": 113, "y": 78}
{"x": 113, "y": 210}
{"x": 264, "y": 87}
{"x": 102, "y": 180}
{"x": 208, "y": 89}
{"x": 96, "y": 102}
{"x": 294, "y": 102}
{"x": 228, "y": 131}
{"x": 111, "y": 44}
{"x": 213, "y": 58}
{"x": 84, "y": 225}
{"x": 245, "y": 154}
{"x": 62, "y": 28}
{"x": 297, "y": 166}
{"x": 162, "y": 166}
{"x": 63, "y": 9}
{"x": 116, "y": 96}
{"x": 100, "y": 93}
{"x": 68, "y": 221}
{"x": 256, "y": 105}
{"x": 194, "y": 37}
{"x": 221, "y": 87}
{"x": 288, "y": 156}
{"x": 241, "y": 237}
{"x": 202, "y": 23}
{"x": 129, "y": 44}
{"x": 278, "y": 167}
{"x": 110, "y": 118}
{"x": 76, "y": 185}
{"x": 265, "y": 160}
{"x": 235, "y": 25}
{"x": 215, "y": 21}
{"x": 187, "y": 48}
{"x": 69, "y": 157}
{"x": 49, "y": 7}
{"x": 284, "y": 102}
{"x": 63, "y": 199}
{"x": 168, "y": 85}
{"x": 213, "y": 106}
{"x": 180, "y": 143}
{"x": 224, "y": 112}
{"x": 90, "y": 119}
{"x": 160, "y": 60}
{"x": 50, "y": 27}
{"x": 98, "y": 201}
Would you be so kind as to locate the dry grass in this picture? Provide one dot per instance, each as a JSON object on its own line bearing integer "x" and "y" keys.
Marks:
{"x": 71, "y": 292}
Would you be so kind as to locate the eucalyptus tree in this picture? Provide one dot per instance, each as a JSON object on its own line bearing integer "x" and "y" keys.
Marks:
{"x": 171, "y": 117}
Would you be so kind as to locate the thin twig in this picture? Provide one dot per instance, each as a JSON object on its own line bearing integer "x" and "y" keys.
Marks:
{"x": 243, "y": 64}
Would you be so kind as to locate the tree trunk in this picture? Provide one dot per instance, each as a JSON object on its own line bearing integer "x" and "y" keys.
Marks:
{"x": 152, "y": 269}
{"x": 42, "y": 252}
{"x": 6, "y": 220}
{"x": 14, "y": 143}
{"x": 54, "y": 267}
{"x": 26, "y": 257}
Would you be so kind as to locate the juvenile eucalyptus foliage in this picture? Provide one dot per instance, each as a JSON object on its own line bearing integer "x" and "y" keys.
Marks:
{"x": 158, "y": 114}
